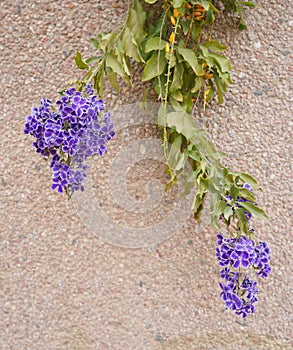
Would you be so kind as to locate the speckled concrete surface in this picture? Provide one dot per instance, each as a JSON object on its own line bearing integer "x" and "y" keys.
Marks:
{"x": 64, "y": 288}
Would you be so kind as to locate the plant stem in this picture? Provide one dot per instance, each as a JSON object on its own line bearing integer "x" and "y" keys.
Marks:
{"x": 165, "y": 98}
{"x": 159, "y": 53}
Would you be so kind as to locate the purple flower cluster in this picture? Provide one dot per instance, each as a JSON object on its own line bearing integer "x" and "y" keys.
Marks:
{"x": 69, "y": 132}
{"x": 240, "y": 297}
{"x": 242, "y": 251}
{"x": 240, "y": 294}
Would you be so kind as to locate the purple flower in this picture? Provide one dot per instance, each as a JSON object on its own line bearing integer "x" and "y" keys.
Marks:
{"x": 240, "y": 293}
{"x": 246, "y": 309}
{"x": 250, "y": 286}
{"x": 71, "y": 131}
{"x": 235, "y": 252}
{"x": 229, "y": 296}
{"x": 239, "y": 297}
{"x": 262, "y": 261}
{"x": 248, "y": 187}
{"x": 229, "y": 275}
{"x": 60, "y": 176}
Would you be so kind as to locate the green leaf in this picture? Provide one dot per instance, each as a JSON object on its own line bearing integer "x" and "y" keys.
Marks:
{"x": 89, "y": 76}
{"x": 218, "y": 155}
{"x": 194, "y": 154}
{"x": 211, "y": 93}
{"x": 215, "y": 197}
{"x": 181, "y": 159}
{"x": 203, "y": 184}
{"x": 242, "y": 221}
{"x": 177, "y": 95}
{"x": 214, "y": 45}
{"x": 254, "y": 210}
{"x": 220, "y": 88}
{"x": 234, "y": 192}
{"x": 126, "y": 65}
{"x": 177, "y": 81}
{"x": 174, "y": 103}
{"x": 150, "y": 1}
{"x": 175, "y": 152}
{"x": 190, "y": 57}
{"x": 79, "y": 61}
{"x": 186, "y": 27}
{"x": 242, "y": 26}
{"x": 104, "y": 39}
{"x": 228, "y": 211}
{"x": 112, "y": 76}
{"x": 95, "y": 42}
{"x": 114, "y": 64}
{"x": 195, "y": 30}
{"x": 155, "y": 44}
{"x": 222, "y": 62}
{"x": 247, "y": 178}
{"x": 187, "y": 101}
{"x": 145, "y": 96}
{"x": 158, "y": 83}
{"x": 162, "y": 116}
{"x": 130, "y": 48}
{"x": 99, "y": 82}
{"x": 196, "y": 203}
{"x": 205, "y": 53}
{"x": 221, "y": 205}
{"x": 198, "y": 84}
{"x": 213, "y": 8}
{"x": 178, "y": 3}
{"x": 245, "y": 193}
{"x": 205, "y": 4}
{"x": 210, "y": 17}
{"x": 154, "y": 67}
{"x": 93, "y": 59}
{"x": 189, "y": 181}
{"x": 192, "y": 176}
{"x": 247, "y": 3}
{"x": 183, "y": 123}
{"x": 136, "y": 22}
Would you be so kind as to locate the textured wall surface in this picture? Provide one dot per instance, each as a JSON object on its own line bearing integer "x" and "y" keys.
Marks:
{"x": 63, "y": 287}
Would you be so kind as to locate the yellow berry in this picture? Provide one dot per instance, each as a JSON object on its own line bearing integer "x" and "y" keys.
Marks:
{"x": 173, "y": 21}
{"x": 172, "y": 37}
{"x": 167, "y": 48}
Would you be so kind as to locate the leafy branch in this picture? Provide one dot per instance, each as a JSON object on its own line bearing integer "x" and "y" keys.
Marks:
{"x": 173, "y": 41}
{"x": 187, "y": 67}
